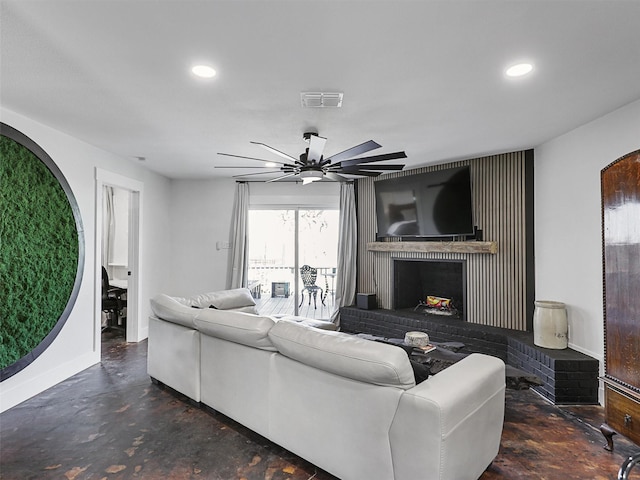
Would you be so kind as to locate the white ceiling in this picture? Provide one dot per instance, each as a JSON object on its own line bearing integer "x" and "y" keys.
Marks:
{"x": 426, "y": 77}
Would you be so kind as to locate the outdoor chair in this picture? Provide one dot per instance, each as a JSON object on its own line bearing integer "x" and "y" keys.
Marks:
{"x": 309, "y": 275}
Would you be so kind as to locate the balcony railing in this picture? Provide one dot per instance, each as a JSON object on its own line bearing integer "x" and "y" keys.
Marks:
{"x": 274, "y": 290}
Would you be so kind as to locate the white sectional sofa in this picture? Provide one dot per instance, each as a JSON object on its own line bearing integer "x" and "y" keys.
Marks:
{"x": 348, "y": 405}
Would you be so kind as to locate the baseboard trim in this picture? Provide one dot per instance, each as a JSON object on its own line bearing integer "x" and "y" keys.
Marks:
{"x": 16, "y": 390}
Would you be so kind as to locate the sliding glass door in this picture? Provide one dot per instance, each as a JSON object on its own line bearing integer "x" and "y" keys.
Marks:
{"x": 272, "y": 259}
{"x": 281, "y": 242}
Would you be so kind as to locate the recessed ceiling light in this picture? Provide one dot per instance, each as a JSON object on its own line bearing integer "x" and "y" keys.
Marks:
{"x": 269, "y": 164}
{"x": 519, "y": 70}
{"x": 204, "y": 71}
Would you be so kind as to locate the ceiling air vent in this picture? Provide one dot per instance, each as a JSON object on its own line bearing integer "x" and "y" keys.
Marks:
{"x": 321, "y": 99}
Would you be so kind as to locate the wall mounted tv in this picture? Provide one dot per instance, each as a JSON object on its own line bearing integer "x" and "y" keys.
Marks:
{"x": 426, "y": 205}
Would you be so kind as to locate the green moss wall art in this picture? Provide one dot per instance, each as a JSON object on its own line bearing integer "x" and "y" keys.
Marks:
{"x": 41, "y": 251}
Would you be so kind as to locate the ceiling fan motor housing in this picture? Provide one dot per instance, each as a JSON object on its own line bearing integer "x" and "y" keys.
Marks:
{"x": 307, "y": 135}
{"x": 304, "y": 158}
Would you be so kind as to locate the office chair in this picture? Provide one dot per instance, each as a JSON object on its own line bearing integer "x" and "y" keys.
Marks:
{"x": 113, "y": 304}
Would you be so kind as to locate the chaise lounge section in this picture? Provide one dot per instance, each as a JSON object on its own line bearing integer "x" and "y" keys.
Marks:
{"x": 346, "y": 404}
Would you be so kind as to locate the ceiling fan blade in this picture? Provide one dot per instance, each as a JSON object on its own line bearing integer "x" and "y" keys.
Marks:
{"x": 354, "y": 151}
{"x": 251, "y": 158}
{"x": 361, "y": 173}
{"x": 277, "y": 152}
{"x": 375, "y": 158}
{"x": 256, "y": 173}
{"x": 281, "y": 177}
{"x": 370, "y": 168}
{"x": 316, "y": 147}
{"x": 335, "y": 177}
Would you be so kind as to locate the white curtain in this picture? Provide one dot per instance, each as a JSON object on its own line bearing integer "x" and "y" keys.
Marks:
{"x": 108, "y": 226}
{"x": 347, "y": 249}
{"x": 238, "y": 270}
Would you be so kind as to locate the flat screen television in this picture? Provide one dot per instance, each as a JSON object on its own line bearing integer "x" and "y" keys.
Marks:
{"x": 426, "y": 205}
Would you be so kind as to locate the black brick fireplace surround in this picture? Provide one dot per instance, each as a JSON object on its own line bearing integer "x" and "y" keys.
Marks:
{"x": 568, "y": 376}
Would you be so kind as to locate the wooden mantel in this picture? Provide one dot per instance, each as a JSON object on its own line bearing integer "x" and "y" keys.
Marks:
{"x": 443, "y": 247}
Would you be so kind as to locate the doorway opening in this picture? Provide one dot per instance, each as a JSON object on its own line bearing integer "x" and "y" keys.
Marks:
{"x": 115, "y": 258}
{"x": 118, "y": 220}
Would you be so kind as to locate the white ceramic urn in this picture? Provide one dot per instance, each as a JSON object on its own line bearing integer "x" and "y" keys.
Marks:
{"x": 550, "y": 324}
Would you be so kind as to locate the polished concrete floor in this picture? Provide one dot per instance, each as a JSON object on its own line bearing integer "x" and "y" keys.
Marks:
{"x": 111, "y": 422}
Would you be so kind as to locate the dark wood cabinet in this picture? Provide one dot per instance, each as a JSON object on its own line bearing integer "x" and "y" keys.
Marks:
{"x": 620, "y": 183}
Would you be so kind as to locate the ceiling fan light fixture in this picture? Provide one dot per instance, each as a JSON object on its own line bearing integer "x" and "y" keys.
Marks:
{"x": 310, "y": 176}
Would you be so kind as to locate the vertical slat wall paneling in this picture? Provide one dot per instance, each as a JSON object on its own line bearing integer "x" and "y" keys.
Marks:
{"x": 366, "y": 233}
{"x": 496, "y": 284}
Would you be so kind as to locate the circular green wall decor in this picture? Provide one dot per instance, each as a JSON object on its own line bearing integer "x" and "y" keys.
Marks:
{"x": 41, "y": 250}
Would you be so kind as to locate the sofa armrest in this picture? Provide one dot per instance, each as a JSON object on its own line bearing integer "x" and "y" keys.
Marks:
{"x": 170, "y": 309}
{"x": 450, "y": 425}
{"x": 173, "y": 356}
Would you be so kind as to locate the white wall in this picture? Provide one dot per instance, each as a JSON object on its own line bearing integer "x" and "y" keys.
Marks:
{"x": 200, "y": 217}
{"x": 568, "y": 247}
{"x": 74, "y": 349}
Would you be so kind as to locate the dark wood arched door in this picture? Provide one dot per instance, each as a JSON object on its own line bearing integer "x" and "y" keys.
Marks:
{"x": 620, "y": 183}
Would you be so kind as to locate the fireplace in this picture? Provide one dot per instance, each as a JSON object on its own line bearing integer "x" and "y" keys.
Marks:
{"x": 414, "y": 280}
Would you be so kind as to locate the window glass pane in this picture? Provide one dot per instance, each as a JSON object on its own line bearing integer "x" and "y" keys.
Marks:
{"x": 318, "y": 238}
{"x": 272, "y": 256}
{"x": 318, "y": 248}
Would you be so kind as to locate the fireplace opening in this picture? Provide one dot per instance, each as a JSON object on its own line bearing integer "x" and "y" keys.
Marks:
{"x": 416, "y": 280}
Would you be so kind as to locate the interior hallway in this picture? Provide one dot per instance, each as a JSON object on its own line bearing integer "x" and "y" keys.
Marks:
{"x": 111, "y": 422}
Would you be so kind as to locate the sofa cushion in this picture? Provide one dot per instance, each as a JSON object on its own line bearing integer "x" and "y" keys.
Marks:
{"x": 237, "y": 298}
{"x": 311, "y": 322}
{"x": 239, "y": 327}
{"x": 343, "y": 354}
{"x": 247, "y": 309}
{"x": 172, "y": 310}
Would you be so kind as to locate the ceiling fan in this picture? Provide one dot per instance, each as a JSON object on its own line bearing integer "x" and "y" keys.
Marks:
{"x": 312, "y": 166}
